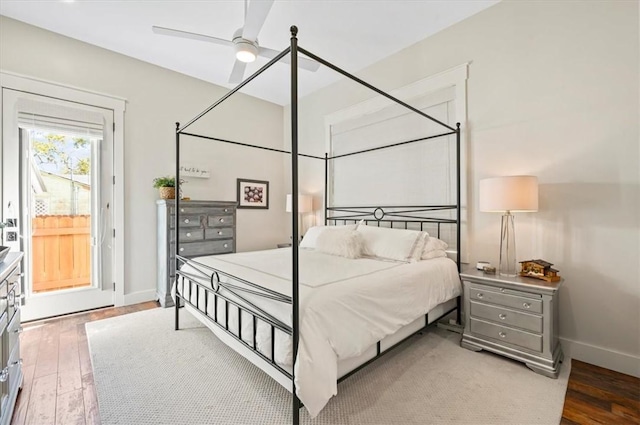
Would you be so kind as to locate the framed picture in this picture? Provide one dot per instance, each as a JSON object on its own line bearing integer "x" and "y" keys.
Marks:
{"x": 253, "y": 194}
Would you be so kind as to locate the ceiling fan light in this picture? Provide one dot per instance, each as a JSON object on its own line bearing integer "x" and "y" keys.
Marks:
{"x": 246, "y": 52}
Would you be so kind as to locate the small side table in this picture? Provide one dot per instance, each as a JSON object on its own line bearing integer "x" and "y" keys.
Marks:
{"x": 284, "y": 245}
{"x": 516, "y": 317}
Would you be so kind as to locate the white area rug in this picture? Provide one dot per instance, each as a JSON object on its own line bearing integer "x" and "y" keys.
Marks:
{"x": 147, "y": 373}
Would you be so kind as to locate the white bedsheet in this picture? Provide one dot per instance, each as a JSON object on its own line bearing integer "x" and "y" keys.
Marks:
{"x": 345, "y": 306}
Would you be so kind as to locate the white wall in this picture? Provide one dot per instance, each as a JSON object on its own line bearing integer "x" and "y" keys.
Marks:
{"x": 552, "y": 91}
{"x": 156, "y": 99}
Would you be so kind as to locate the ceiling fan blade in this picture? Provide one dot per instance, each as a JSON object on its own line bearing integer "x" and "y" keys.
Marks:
{"x": 308, "y": 64}
{"x": 256, "y": 15}
{"x": 237, "y": 73}
{"x": 191, "y": 35}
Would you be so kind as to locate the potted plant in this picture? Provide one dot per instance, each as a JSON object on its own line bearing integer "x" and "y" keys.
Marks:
{"x": 166, "y": 186}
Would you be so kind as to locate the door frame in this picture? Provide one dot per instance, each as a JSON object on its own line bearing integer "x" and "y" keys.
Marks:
{"x": 54, "y": 90}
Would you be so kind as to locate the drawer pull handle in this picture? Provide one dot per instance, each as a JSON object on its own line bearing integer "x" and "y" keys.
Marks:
{"x": 502, "y": 316}
{"x": 502, "y": 334}
{"x": 501, "y": 289}
{"x": 181, "y": 249}
{"x": 19, "y": 330}
{"x": 219, "y": 232}
{"x": 222, "y": 220}
{"x": 186, "y": 220}
{"x": 4, "y": 375}
{"x": 188, "y": 235}
{"x": 16, "y": 363}
{"x": 181, "y": 209}
{"x": 480, "y": 295}
{"x": 526, "y": 305}
{"x": 226, "y": 245}
{"x": 226, "y": 210}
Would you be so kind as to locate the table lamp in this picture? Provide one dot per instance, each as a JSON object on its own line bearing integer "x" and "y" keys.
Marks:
{"x": 507, "y": 195}
{"x": 305, "y": 205}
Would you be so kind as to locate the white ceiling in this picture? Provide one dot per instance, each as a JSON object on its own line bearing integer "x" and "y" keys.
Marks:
{"x": 349, "y": 33}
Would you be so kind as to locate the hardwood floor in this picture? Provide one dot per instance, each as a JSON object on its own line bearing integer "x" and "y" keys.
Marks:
{"x": 600, "y": 396}
{"x": 58, "y": 384}
{"x": 58, "y": 380}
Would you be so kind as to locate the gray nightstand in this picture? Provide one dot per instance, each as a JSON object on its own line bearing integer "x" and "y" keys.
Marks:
{"x": 516, "y": 317}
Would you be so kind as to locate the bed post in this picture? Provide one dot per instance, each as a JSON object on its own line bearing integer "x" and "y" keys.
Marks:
{"x": 458, "y": 219}
{"x": 177, "y": 220}
{"x": 294, "y": 217}
{"x": 326, "y": 185}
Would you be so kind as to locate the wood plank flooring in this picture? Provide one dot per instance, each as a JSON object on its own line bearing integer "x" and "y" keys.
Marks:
{"x": 59, "y": 389}
{"x": 58, "y": 380}
{"x": 600, "y": 396}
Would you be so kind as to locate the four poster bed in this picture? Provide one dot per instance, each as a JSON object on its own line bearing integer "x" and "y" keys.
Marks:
{"x": 310, "y": 327}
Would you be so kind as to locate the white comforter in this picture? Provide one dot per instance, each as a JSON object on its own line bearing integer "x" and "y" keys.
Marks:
{"x": 345, "y": 306}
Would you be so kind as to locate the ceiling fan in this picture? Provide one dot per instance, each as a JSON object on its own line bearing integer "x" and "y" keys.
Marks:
{"x": 244, "y": 40}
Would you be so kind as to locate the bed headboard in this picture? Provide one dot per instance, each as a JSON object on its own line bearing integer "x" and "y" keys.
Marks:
{"x": 437, "y": 220}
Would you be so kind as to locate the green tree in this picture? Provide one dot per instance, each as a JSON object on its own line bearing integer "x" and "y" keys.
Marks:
{"x": 51, "y": 151}
{"x": 83, "y": 166}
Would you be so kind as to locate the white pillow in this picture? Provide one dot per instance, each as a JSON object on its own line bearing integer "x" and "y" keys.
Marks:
{"x": 436, "y": 253}
{"x": 434, "y": 248}
{"x": 311, "y": 237}
{"x": 393, "y": 244}
{"x": 343, "y": 242}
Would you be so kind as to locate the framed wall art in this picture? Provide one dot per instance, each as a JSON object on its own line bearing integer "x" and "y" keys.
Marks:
{"x": 253, "y": 194}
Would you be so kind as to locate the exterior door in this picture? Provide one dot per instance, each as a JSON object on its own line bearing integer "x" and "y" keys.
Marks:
{"x": 64, "y": 173}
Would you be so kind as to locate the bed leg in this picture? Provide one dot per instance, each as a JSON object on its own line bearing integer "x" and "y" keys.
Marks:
{"x": 296, "y": 410}
{"x": 177, "y": 311}
{"x": 459, "y": 311}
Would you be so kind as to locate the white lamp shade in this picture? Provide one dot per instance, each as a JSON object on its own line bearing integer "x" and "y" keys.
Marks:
{"x": 305, "y": 203}
{"x": 509, "y": 193}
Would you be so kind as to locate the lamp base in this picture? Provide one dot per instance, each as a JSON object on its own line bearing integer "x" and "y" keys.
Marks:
{"x": 507, "y": 265}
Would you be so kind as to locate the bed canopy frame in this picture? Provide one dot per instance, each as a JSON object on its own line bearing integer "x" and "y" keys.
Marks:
{"x": 204, "y": 278}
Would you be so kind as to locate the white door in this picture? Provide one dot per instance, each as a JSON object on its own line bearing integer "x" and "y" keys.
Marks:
{"x": 58, "y": 177}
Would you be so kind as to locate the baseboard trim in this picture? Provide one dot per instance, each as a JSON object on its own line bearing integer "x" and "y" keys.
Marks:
{"x": 140, "y": 297}
{"x": 603, "y": 357}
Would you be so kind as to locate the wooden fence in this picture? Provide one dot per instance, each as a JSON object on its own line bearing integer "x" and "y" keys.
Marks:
{"x": 61, "y": 252}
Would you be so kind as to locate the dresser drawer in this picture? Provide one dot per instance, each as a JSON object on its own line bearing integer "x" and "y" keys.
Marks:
{"x": 13, "y": 331}
{"x": 14, "y": 367}
{"x": 506, "y": 334}
{"x": 219, "y": 220}
{"x": 530, "y": 322}
{"x": 219, "y": 233}
{"x": 189, "y": 234}
{"x": 206, "y": 248}
{"x": 187, "y": 220}
{"x": 203, "y": 210}
{"x": 489, "y": 294}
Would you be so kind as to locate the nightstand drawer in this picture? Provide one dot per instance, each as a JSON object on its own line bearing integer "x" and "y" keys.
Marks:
{"x": 505, "y": 334}
{"x": 489, "y": 294}
{"x": 530, "y": 322}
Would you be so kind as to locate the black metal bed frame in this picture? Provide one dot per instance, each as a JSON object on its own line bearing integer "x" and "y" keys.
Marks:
{"x": 233, "y": 293}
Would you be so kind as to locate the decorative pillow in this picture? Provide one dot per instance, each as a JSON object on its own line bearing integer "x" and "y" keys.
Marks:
{"x": 434, "y": 248}
{"x": 393, "y": 244}
{"x": 343, "y": 242}
{"x": 311, "y": 237}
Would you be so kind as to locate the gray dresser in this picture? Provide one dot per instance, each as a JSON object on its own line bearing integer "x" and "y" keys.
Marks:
{"x": 205, "y": 228}
{"x": 516, "y": 317}
{"x": 11, "y": 373}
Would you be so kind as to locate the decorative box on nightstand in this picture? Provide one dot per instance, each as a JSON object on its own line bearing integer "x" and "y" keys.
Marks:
{"x": 516, "y": 317}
